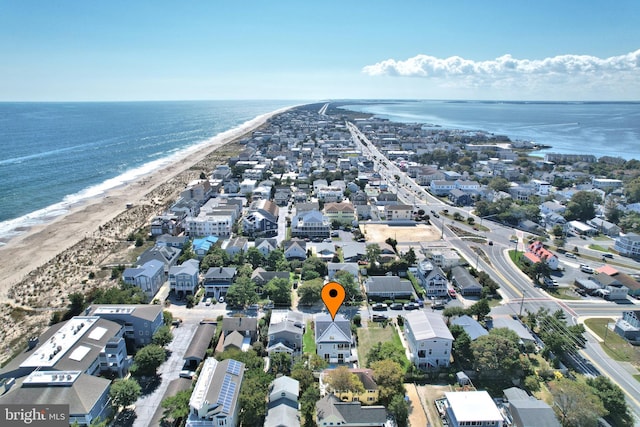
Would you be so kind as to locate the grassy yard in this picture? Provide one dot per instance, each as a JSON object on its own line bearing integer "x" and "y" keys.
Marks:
{"x": 563, "y": 293}
{"x": 598, "y": 248}
{"x": 375, "y": 333}
{"x": 615, "y": 346}
{"x": 308, "y": 340}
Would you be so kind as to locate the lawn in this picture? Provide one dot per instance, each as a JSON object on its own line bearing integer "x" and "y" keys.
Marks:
{"x": 563, "y": 293}
{"x": 374, "y": 333}
{"x": 308, "y": 340}
{"x": 615, "y": 346}
{"x": 598, "y": 248}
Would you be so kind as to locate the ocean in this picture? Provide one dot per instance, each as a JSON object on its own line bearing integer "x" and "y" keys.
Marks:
{"x": 598, "y": 128}
{"x": 54, "y": 155}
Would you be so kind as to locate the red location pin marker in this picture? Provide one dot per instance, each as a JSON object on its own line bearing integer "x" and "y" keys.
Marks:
{"x": 333, "y": 295}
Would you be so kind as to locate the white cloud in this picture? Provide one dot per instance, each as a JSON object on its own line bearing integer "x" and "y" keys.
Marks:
{"x": 505, "y": 66}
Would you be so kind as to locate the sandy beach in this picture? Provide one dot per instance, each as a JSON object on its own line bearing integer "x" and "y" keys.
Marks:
{"x": 46, "y": 263}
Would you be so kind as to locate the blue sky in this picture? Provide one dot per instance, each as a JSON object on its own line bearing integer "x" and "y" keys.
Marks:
{"x": 307, "y": 50}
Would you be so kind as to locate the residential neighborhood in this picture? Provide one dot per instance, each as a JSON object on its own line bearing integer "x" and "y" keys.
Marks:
{"x": 460, "y": 252}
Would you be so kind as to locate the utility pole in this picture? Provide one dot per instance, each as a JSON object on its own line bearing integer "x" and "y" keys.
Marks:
{"x": 522, "y": 302}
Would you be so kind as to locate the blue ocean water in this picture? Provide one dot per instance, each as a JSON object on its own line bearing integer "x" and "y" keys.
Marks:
{"x": 55, "y": 154}
{"x": 598, "y": 128}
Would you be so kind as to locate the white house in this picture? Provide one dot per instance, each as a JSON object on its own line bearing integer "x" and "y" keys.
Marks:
{"x": 214, "y": 401}
{"x": 429, "y": 339}
{"x": 398, "y": 212}
{"x": 441, "y": 187}
{"x": 628, "y": 245}
{"x": 542, "y": 187}
{"x": 472, "y": 408}
{"x": 333, "y": 338}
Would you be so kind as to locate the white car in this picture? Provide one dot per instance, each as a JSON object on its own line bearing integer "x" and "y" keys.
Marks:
{"x": 570, "y": 255}
{"x": 208, "y": 301}
{"x": 185, "y": 373}
{"x": 586, "y": 269}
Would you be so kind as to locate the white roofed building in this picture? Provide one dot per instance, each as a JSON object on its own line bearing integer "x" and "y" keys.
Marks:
{"x": 472, "y": 408}
{"x": 429, "y": 340}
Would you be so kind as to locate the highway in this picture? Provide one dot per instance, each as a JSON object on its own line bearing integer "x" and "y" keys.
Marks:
{"x": 518, "y": 291}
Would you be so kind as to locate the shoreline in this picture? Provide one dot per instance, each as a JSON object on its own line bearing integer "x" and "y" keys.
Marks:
{"x": 32, "y": 249}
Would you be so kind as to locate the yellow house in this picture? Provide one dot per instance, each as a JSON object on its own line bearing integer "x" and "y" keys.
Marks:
{"x": 371, "y": 392}
{"x": 342, "y": 212}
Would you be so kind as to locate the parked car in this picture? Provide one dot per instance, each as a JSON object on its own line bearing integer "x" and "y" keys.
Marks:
{"x": 396, "y": 306}
{"x": 452, "y": 293}
{"x": 185, "y": 373}
{"x": 379, "y": 318}
{"x": 208, "y": 301}
{"x": 607, "y": 255}
{"x": 254, "y": 307}
{"x": 379, "y": 306}
{"x": 411, "y": 306}
{"x": 490, "y": 243}
{"x": 570, "y": 255}
{"x": 586, "y": 269}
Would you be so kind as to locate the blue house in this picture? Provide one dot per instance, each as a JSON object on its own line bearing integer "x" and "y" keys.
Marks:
{"x": 202, "y": 246}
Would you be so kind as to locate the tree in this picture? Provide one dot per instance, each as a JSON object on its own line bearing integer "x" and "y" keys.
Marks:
{"x": 303, "y": 374}
{"x": 575, "y": 403}
{"x": 582, "y": 206}
{"x": 177, "y": 406}
{"x": 392, "y": 242}
{"x": 351, "y": 288}
{"x": 253, "y": 393}
{"x": 557, "y": 230}
{"x": 389, "y": 376}
{"x": 399, "y": 409}
{"x": 310, "y": 293}
{"x": 167, "y": 317}
{"x": 613, "y": 399}
{"x": 386, "y": 351}
{"x": 276, "y": 260}
{"x": 410, "y": 256}
{"x": 308, "y": 401}
{"x": 341, "y": 379}
{"x": 496, "y": 354}
{"x": 162, "y": 336}
{"x": 242, "y": 293}
{"x": 149, "y": 358}
{"x": 632, "y": 190}
{"x": 124, "y": 392}
{"x": 313, "y": 263}
{"x": 461, "y": 346}
{"x": 279, "y": 291}
{"x": 373, "y": 254}
{"x": 280, "y": 363}
{"x": 187, "y": 252}
{"x": 254, "y": 257}
{"x": 77, "y": 304}
{"x": 499, "y": 184}
{"x": 216, "y": 257}
{"x": 480, "y": 309}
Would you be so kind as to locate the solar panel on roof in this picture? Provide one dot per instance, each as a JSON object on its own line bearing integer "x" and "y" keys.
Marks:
{"x": 227, "y": 393}
{"x": 234, "y": 367}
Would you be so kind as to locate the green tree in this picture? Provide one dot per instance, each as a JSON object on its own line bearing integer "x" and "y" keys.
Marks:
{"x": 176, "y": 406}
{"x": 280, "y": 363}
{"x": 187, "y": 252}
{"x": 341, "y": 379}
{"x": 124, "y": 392}
{"x": 392, "y": 242}
{"x": 461, "y": 346}
{"x": 389, "y": 376}
{"x": 575, "y": 403}
{"x": 216, "y": 257}
{"x": 191, "y": 301}
{"x": 162, "y": 336}
{"x": 373, "y": 254}
{"x": 310, "y": 293}
{"x": 167, "y": 317}
{"x": 632, "y": 190}
{"x": 303, "y": 374}
{"x": 149, "y": 358}
{"x": 581, "y": 207}
{"x": 496, "y": 355}
{"x": 499, "y": 184}
{"x": 279, "y": 291}
{"x": 399, "y": 409}
{"x": 308, "y": 401}
{"x": 557, "y": 231}
{"x": 254, "y": 257}
{"x": 613, "y": 400}
{"x": 314, "y": 263}
{"x": 242, "y": 293}
{"x": 351, "y": 287}
{"x": 480, "y": 309}
{"x": 77, "y": 305}
{"x": 386, "y": 351}
{"x": 123, "y": 294}
{"x": 275, "y": 260}
{"x": 253, "y": 393}
{"x": 410, "y": 256}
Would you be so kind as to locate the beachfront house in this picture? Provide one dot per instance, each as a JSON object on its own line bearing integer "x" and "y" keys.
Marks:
{"x": 148, "y": 277}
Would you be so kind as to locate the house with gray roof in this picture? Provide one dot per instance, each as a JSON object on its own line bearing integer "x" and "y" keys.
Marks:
{"x": 295, "y": 249}
{"x": 310, "y": 224}
{"x": 140, "y": 321}
{"x": 177, "y": 242}
{"x": 330, "y": 411}
{"x": 285, "y": 332}
{"x": 516, "y": 326}
{"x": 429, "y": 340}
{"x": 200, "y": 343}
{"x": 471, "y": 326}
{"x": 247, "y": 326}
{"x": 464, "y": 282}
{"x": 527, "y": 411}
{"x": 350, "y": 267}
{"x": 215, "y": 397}
{"x": 167, "y": 255}
{"x": 388, "y": 287}
{"x": 184, "y": 278}
{"x": 354, "y": 251}
{"x": 334, "y": 340}
{"x": 218, "y": 280}
{"x": 261, "y": 219}
{"x": 266, "y": 245}
{"x": 149, "y": 277}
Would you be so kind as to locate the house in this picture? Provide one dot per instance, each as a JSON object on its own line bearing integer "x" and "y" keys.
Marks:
{"x": 235, "y": 245}
{"x": 217, "y": 281}
{"x": 429, "y": 340}
{"x": 177, "y": 242}
{"x": 286, "y": 329}
{"x": 330, "y": 193}
{"x": 354, "y": 251}
{"x": 579, "y": 228}
{"x": 464, "y": 282}
{"x": 324, "y": 250}
{"x": 516, "y": 326}
{"x": 542, "y": 187}
{"x": 261, "y": 277}
{"x": 433, "y": 279}
{"x": 210, "y": 223}
{"x": 266, "y": 245}
{"x": 350, "y": 267}
{"x": 388, "y": 287}
{"x": 552, "y": 207}
{"x": 183, "y": 279}
{"x": 165, "y": 224}
{"x": 361, "y": 204}
{"x": 471, "y": 326}
{"x": 460, "y": 198}
{"x": 604, "y": 227}
{"x": 628, "y": 326}
{"x": 201, "y": 246}
{"x": 282, "y": 409}
{"x": 246, "y": 326}
{"x": 369, "y": 396}
{"x": 200, "y": 343}
{"x": 472, "y": 408}
{"x": 610, "y": 287}
{"x": 330, "y": 411}
{"x": 527, "y": 411}
{"x": 140, "y": 321}
{"x": 398, "y": 212}
{"x": 538, "y": 253}
{"x": 214, "y": 401}
{"x": 87, "y": 396}
{"x": 282, "y": 196}
{"x": 623, "y": 279}
{"x": 261, "y": 219}
{"x": 628, "y": 245}
{"x": 310, "y": 224}
{"x": 343, "y": 213}
{"x": 441, "y": 187}
{"x": 165, "y": 254}
{"x": 295, "y": 249}
{"x": 148, "y": 277}
{"x": 333, "y": 338}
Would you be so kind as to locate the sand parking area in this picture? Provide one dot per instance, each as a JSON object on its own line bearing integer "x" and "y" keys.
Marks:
{"x": 378, "y": 233}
